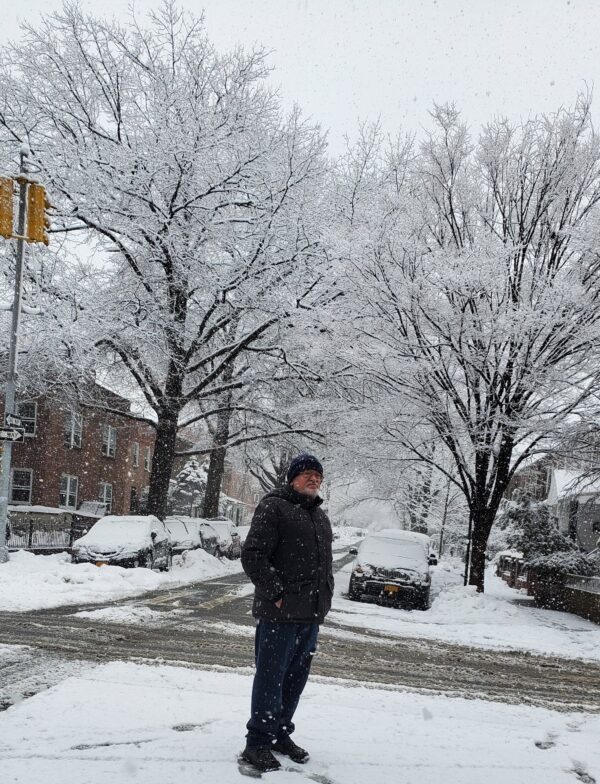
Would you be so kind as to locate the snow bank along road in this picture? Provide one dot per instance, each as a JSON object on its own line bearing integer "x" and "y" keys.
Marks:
{"x": 209, "y": 624}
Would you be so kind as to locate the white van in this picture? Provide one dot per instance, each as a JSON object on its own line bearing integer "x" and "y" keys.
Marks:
{"x": 392, "y": 567}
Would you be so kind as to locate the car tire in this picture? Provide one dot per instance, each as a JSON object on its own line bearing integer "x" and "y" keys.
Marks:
{"x": 353, "y": 594}
{"x": 423, "y": 602}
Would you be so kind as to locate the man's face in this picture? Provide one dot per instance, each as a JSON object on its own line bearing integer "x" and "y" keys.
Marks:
{"x": 307, "y": 483}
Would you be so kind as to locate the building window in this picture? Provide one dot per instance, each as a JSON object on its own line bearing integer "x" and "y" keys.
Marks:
{"x": 20, "y": 489}
{"x": 72, "y": 430}
{"x": 105, "y": 495}
{"x": 109, "y": 440}
{"x": 133, "y": 501}
{"x": 147, "y": 458}
{"x": 27, "y": 410}
{"x": 135, "y": 454}
{"x": 68, "y": 491}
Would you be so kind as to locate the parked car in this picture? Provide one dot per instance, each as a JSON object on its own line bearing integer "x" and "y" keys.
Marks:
{"x": 229, "y": 539}
{"x": 184, "y": 535}
{"x": 392, "y": 567}
{"x": 210, "y": 537}
{"x": 129, "y": 540}
{"x": 242, "y": 531}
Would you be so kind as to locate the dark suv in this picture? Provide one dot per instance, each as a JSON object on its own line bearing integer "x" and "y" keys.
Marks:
{"x": 392, "y": 567}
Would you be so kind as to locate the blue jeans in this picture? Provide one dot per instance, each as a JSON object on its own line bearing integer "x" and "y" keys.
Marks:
{"x": 284, "y": 653}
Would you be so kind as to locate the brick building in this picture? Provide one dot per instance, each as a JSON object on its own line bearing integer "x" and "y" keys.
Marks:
{"x": 73, "y": 454}
{"x": 240, "y": 493}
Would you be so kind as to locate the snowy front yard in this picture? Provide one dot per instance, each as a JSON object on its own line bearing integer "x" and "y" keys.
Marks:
{"x": 161, "y": 725}
{"x": 30, "y": 582}
{"x": 502, "y": 618}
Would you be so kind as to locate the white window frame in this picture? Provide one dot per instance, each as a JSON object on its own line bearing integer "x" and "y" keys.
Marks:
{"x": 147, "y": 459}
{"x": 73, "y": 430}
{"x": 20, "y": 487}
{"x": 70, "y": 482}
{"x": 109, "y": 440}
{"x": 25, "y": 419}
{"x": 105, "y": 495}
{"x": 135, "y": 454}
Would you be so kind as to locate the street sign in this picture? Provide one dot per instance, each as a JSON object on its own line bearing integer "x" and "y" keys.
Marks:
{"x": 12, "y": 434}
{"x": 12, "y": 420}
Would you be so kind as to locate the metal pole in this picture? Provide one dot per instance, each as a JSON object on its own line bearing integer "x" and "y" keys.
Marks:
{"x": 9, "y": 394}
{"x": 469, "y": 548}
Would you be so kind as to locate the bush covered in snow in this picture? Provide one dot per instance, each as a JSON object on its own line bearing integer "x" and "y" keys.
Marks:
{"x": 532, "y": 530}
{"x": 556, "y": 566}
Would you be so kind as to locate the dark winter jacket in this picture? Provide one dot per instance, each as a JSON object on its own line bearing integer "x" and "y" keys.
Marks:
{"x": 287, "y": 555}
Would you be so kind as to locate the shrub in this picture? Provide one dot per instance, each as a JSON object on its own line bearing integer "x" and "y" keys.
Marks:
{"x": 556, "y": 566}
{"x": 532, "y": 530}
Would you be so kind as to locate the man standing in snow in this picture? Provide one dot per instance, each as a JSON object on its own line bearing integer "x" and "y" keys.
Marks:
{"x": 287, "y": 555}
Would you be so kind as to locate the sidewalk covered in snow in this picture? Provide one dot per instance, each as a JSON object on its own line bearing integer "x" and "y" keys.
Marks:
{"x": 161, "y": 725}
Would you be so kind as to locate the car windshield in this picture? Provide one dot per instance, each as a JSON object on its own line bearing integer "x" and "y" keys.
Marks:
{"x": 391, "y": 552}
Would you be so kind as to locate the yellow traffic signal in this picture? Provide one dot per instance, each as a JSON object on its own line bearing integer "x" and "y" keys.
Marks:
{"x": 37, "y": 220}
{"x": 6, "y": 207}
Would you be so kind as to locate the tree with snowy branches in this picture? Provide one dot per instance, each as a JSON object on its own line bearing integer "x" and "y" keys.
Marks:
{"x": 473, "y": 293}
{"x": 176, "y": 164}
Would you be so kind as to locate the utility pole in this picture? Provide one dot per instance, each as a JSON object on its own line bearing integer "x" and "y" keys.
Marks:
{"x": 32, "y": 206}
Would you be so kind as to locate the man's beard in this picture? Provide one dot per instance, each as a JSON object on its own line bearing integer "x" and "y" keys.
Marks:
{"x": 313, "y": 492}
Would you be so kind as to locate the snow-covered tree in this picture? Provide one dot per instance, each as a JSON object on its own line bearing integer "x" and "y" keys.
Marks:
{"x": 474, "y": 291}
{"x": 177, "y": 165}
{"x": 188, "y": 489}
{"x": 532, "y": 529}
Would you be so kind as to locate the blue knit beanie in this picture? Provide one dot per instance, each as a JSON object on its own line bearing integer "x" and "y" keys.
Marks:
{"x": 303, "y": 463}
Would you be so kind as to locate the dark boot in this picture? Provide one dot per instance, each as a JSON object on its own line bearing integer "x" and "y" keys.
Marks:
{"x": 260, "y": 758}
{"x": 285, "y": 745}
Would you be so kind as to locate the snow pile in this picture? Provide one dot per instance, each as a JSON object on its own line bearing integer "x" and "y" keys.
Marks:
{"x": 29, "y": 582}
{"x": 123, "y": 722}
{"x": 203, "y": 566}
{"x": 129, "y": 614}
{"x": 462, "y": 604}
{"x": 502, "y": 618}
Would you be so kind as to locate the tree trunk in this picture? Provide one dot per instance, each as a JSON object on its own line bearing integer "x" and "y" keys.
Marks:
{"x": 216, "y": 467}
{"x": 162, "y": 464}
{"x": 479, "y": 538}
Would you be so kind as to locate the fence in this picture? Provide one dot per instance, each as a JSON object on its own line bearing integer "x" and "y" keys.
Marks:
{"x": 40, "y": 535}
{"x": 44, "y": 532}
{"x": 575, "y": 594}
{"x": 581, "y": 595}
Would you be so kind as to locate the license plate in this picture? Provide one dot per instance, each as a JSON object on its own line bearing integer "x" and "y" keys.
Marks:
{"x": 101, "y": 563}
{"x": 391, "y": 588}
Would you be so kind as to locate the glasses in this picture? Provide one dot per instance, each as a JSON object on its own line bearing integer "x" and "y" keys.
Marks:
{"x": 314, "y": 475}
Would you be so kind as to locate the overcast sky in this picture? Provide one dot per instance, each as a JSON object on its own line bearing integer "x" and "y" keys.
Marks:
{"x": 345, "y": 60}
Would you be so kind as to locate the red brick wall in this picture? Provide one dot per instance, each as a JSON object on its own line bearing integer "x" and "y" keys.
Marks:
{"x": 49, "y": 458}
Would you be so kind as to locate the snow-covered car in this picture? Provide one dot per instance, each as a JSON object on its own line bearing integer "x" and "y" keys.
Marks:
{"x": 230, "y": 545}
{"x": 210, "y": 538}
{"x": 128, "y": 540}
{"x": 184, "y": 535}
{"x": 392, "y": 567}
